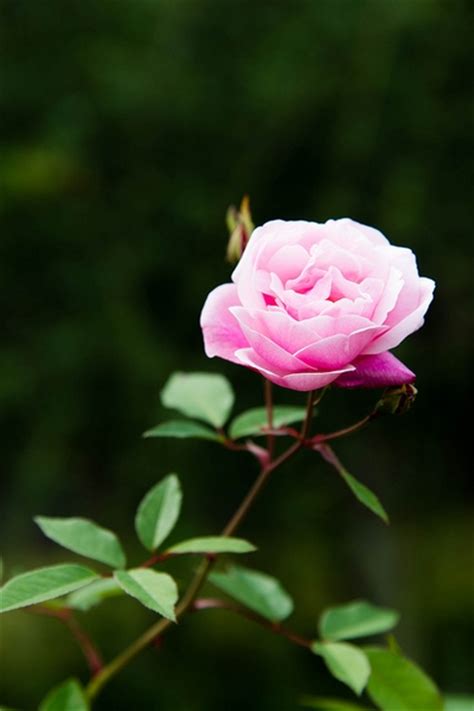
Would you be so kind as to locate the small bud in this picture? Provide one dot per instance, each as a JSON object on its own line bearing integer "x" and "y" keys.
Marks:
{"x": 240, "y": 226}
{"x": 396, "y": 401}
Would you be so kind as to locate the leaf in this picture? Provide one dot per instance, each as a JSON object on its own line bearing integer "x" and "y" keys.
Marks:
{"x": 397, "y": 683}
{"x": 258, "y": 591}
{"x": 458, "y": 702}
{"x": 207, "y": 396}
{"x": 43, "y": 584}
{"x": 84, "y": 537}
{"x": 253, "y": 421}
{"x": 364, "y": 495}
{"x": 347, "y": 663}
{"x": 356, "y": 619}
{"x": 213, "y": 544}
{"x": 158, "y": 512}
{"x": 157, "y": 591}
{"x": 322, "y": 703}
{"x": 93, "y": 594}
{"x": 69, "y": 696}
{"x": 183, "y": 429}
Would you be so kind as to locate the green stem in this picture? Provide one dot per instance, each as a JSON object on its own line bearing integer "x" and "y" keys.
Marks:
{"x": 116, "y": 665}
{"x": 269, "y": 407}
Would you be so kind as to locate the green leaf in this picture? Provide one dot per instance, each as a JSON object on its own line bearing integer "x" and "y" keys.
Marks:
{"x": 213, "y": 544}
{"x": 157, "y": 591}
{"x": 93, "y": 594}
{"x": 322, "y": 703}
{"x": 253, "y": 421}
{"x": 356, "y": 619}
{"x": 207, "y": 396}
{"x": 158, "y": 512}
{"x": 69, "y": 696}
{"x": 397, "y": 683}
{"x": 458, "y": 702}
{"x": 84, "y": 537}
{"x": 364, "y": 495}
{"x": 183, "y": 429}
{"x": 258, "y": 591}
{"x": 347, "y": 663}
{"x": 43, "y": 584}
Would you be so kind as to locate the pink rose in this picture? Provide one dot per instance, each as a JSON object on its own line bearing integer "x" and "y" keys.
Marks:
{"x": 312, "y": 304}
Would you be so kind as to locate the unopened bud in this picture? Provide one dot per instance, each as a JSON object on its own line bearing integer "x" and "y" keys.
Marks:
{"x": 240, "y": 226}
{"x": 396, "y": 401}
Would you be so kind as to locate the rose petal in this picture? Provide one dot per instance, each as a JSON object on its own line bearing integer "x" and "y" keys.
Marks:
{"x": 221, "y": 330}
{"x": 339, "y": 350}
{"x": 377, "y": 371}
{"x": 394, "y": 336}
{"x": 303, "y": 381}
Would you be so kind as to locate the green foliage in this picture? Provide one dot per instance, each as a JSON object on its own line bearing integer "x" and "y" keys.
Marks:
{"x": 183, "y": 429}
{"x": 346, "y": 662}
{"x": 206, "y": 396}
{"x": 213, "y": 544}
{"x": 253, "y": 422}
{"x": 157, "y": 591}
{"x": 95, "y": 593}
{"x": 43, "y": 584}
{"x": 158, "y": 512}
{"x": 323, "y": 703}
{"x": 397, "y": 683}
{"x": 257, "y": 591}
{"x": 458, "y": 702}
{"x": 356, "y": 619}
{"x": 364, "y": 495}
{"x": 69, "y": 696}
{"x": 84, "y": 537}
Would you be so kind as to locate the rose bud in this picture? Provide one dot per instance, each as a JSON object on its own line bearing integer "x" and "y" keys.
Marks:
{"x": 240, "y": 226}
{"x": 397, "y": 401}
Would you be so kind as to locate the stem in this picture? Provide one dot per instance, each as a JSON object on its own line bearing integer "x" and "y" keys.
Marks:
{"x": 346, "y": 431}
{"x": 88, "y": 648}
{"x": 117, "y": 664}
{"x": 217, "y": 604}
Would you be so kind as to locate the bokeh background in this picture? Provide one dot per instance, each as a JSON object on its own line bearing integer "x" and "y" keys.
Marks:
{"x": 128, "y": 128}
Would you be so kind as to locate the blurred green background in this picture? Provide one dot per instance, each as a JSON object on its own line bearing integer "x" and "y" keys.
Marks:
{"x": 128, "y": 128}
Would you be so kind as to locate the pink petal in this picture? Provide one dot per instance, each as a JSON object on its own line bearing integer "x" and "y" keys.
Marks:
{"x": 377, "y": 371}
{"x": 395, "y": 335}
{"x": 338, "y": 350}
{"x": 221, "y": 330}
{"x": 303, "y": 381}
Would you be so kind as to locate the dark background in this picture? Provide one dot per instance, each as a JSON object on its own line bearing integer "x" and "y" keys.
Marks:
{"x": 128, "y": 128}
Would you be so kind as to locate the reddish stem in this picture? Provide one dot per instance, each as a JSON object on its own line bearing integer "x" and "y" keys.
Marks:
{"x": 276, "y": 627}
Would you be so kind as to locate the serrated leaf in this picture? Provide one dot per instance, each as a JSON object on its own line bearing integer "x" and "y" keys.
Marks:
{"x": 206, "y": 396}
{"x": 69, "y": 696}
{"x": 183, "y": 429}
{"x": 157, "y": 591}
{"x": 93, "y": 594}
{"x": 458, "y": 702}
{"x": 253, "y": 422}
{"x": 158, "y": 512}
{"x": 257, "y": 591}
{"x": 213, "y": 544}
{"x": 356, "y": 619}
{"x": 323, "y": 703}
{"x": 43, "y": 584}
{"x": 346, "y": 662}
{"x": 364, "y": 495}
{"x": 398, "y": 683}
{"x": 85, "y": 538}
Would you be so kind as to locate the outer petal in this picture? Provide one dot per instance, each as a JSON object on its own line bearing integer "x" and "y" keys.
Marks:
{"x": 222, "y": 333}
{"x": 303, "y": 381}
{"x": 397, "y": 333}
{"x": 377, "y": 371}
